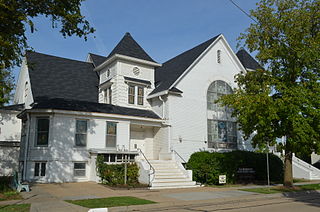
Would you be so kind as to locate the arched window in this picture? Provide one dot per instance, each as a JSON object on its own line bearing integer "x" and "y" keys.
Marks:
{"x": 222, "y": 128}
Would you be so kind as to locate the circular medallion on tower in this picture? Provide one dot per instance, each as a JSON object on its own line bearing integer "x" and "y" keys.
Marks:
{"x": 136, "y": 71}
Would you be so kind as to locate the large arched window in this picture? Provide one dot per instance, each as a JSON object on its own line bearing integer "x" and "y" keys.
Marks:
{"x": 222, "y": 128}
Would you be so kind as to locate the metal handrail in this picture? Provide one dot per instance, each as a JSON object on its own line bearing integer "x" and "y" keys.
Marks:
{"x": 151, "y": 167}
{"x": 172, "y": 150}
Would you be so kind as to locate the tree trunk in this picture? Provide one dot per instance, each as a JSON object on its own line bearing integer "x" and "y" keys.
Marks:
{"x": 288, "y": 178}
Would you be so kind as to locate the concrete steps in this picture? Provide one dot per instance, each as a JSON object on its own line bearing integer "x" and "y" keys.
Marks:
{"x": 168, "y": 174}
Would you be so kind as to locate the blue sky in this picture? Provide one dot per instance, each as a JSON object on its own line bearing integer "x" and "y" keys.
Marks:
{"x": 163, "y": 28}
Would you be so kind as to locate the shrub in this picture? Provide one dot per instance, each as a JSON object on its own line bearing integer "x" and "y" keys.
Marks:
{"x": 113, "y": 174}
{"x": 208, "y": 166}
{"x": 5, "y": 182}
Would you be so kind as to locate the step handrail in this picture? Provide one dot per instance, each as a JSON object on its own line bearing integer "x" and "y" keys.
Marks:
{"x": 151, "y": 167}
{"x": 174, "y": 151}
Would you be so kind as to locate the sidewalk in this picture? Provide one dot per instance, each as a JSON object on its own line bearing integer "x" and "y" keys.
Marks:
{"x": 50, "y": 197}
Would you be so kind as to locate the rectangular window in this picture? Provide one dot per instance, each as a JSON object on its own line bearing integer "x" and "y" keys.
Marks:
{"x": 42, "y": 131}
{"x": 140, "y": 95}
{"x": 108, "y": 95}
{"x": 131, "y": 94}
{"x": 79, "y": 169}
{"x": 81, "y": 133}
{"x": 40, "y": 169}
{"x": 111, "y": 134}
{"x": 118, "y": 158}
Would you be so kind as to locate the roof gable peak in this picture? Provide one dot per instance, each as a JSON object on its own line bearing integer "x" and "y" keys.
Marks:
{"x": 129, "y": 47}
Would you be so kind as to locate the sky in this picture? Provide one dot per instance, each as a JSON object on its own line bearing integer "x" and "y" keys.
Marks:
{"x": 163, "y": 28}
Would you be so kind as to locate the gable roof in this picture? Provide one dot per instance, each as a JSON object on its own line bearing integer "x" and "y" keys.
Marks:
{"x": 247, "y": 60}
{"x": 97, "y": 59}
{"x": 171, "y": 70}
{"x": 56, "y": 77}
{"x": 85, "y": 106}
{"x": 129, "y": 47}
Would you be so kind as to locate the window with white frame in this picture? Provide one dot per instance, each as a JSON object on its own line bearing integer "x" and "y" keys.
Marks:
{"x": 140, "y": 95}
{"x": 42, "y": 135}
{"x": 111, "y": 135}
{"x": 223, "y": 129}
{"x": 79, "y": 169}
{"x": 118, "y": 158}
{"x": 108, "y": 95}
{"x": 135, "y": 94}
{"x": 81, "y": 133}
{"x": 40, "y": 169}
{"x": 131, "y": 94}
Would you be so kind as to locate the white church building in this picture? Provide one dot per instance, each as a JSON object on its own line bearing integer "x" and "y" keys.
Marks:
{"x": 125, "y": 105}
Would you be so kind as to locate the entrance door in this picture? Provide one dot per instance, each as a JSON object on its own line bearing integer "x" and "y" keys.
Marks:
{"x": 137, "y": 140}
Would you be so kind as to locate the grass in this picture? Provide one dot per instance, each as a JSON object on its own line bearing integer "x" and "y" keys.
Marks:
{"x": 9, "y": 195}
{"x": 281, "y": 189}
{"x": 299, "y": 180}
{"x": 110, "y": 202}
{"x": 15, "y": 208}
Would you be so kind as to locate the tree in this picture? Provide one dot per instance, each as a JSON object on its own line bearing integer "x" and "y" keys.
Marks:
{"x": 281, "y": 100}
{"x": 17, "y": 15}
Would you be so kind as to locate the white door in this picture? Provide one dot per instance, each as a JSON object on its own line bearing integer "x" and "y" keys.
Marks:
{"x": 137, "y": 141}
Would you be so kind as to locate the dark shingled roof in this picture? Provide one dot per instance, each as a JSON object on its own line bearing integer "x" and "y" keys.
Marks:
{"x": 247, "y": 60}
{"x": 18, "y": 107}
{"x": 56, "y": 77}
{"x": 129, "y": 47}
{"x": 171, "y": 70}
{"x": 74, "y": 105}
{"x": 97, "y": 59}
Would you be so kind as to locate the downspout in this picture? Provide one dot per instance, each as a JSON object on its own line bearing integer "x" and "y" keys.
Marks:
{"x": 26, "y": 147}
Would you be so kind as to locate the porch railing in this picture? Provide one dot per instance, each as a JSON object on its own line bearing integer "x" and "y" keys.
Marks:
{"x": 151, "y": 167}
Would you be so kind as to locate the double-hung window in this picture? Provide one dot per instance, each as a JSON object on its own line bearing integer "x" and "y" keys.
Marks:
{"x": 135, "y": 94}
{"x": 40, "y": 169}
{"x": 111, "y": 135}
{"x": 108, "y": 95}
{"x": 42, "y": 131}
{"x": 81, "y": 133}
{"x": 131, "y": 94}
{"x": 140, "y": 95}
{"x": 79, "y": 169}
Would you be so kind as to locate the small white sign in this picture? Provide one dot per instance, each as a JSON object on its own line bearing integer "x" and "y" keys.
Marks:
{"x": 222, "y": 179}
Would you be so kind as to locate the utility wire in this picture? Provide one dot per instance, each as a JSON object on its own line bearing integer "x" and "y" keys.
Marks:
{"x": 242, "y": 10}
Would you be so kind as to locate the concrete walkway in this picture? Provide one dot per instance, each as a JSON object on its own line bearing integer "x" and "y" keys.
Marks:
{"x": 50, "y": 197}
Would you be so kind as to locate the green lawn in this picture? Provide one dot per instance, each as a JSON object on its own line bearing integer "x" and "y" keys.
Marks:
{"x": 15, "y": 208}
{"x": 281, "y": 189}
{"x": 110, "y": 202}
{"x": 9, "y": 195}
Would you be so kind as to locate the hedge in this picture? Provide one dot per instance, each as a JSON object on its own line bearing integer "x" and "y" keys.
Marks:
{"x": 208, "y": 166}
{"x": 113, "y": 174}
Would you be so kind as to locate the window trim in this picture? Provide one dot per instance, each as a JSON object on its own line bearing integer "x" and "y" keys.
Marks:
{"x": 75, "y": 134}
{"x": 40, "y": 169}
{"x": 85, "y": 169}
{"x": 114, "y": 135}
{"x": 37, "y": 132}
{"x": 108, "y": 95}
{"x": 140, "y": 96}
{"x": 131, "y": 94}
{"x": 213, "y": 93}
